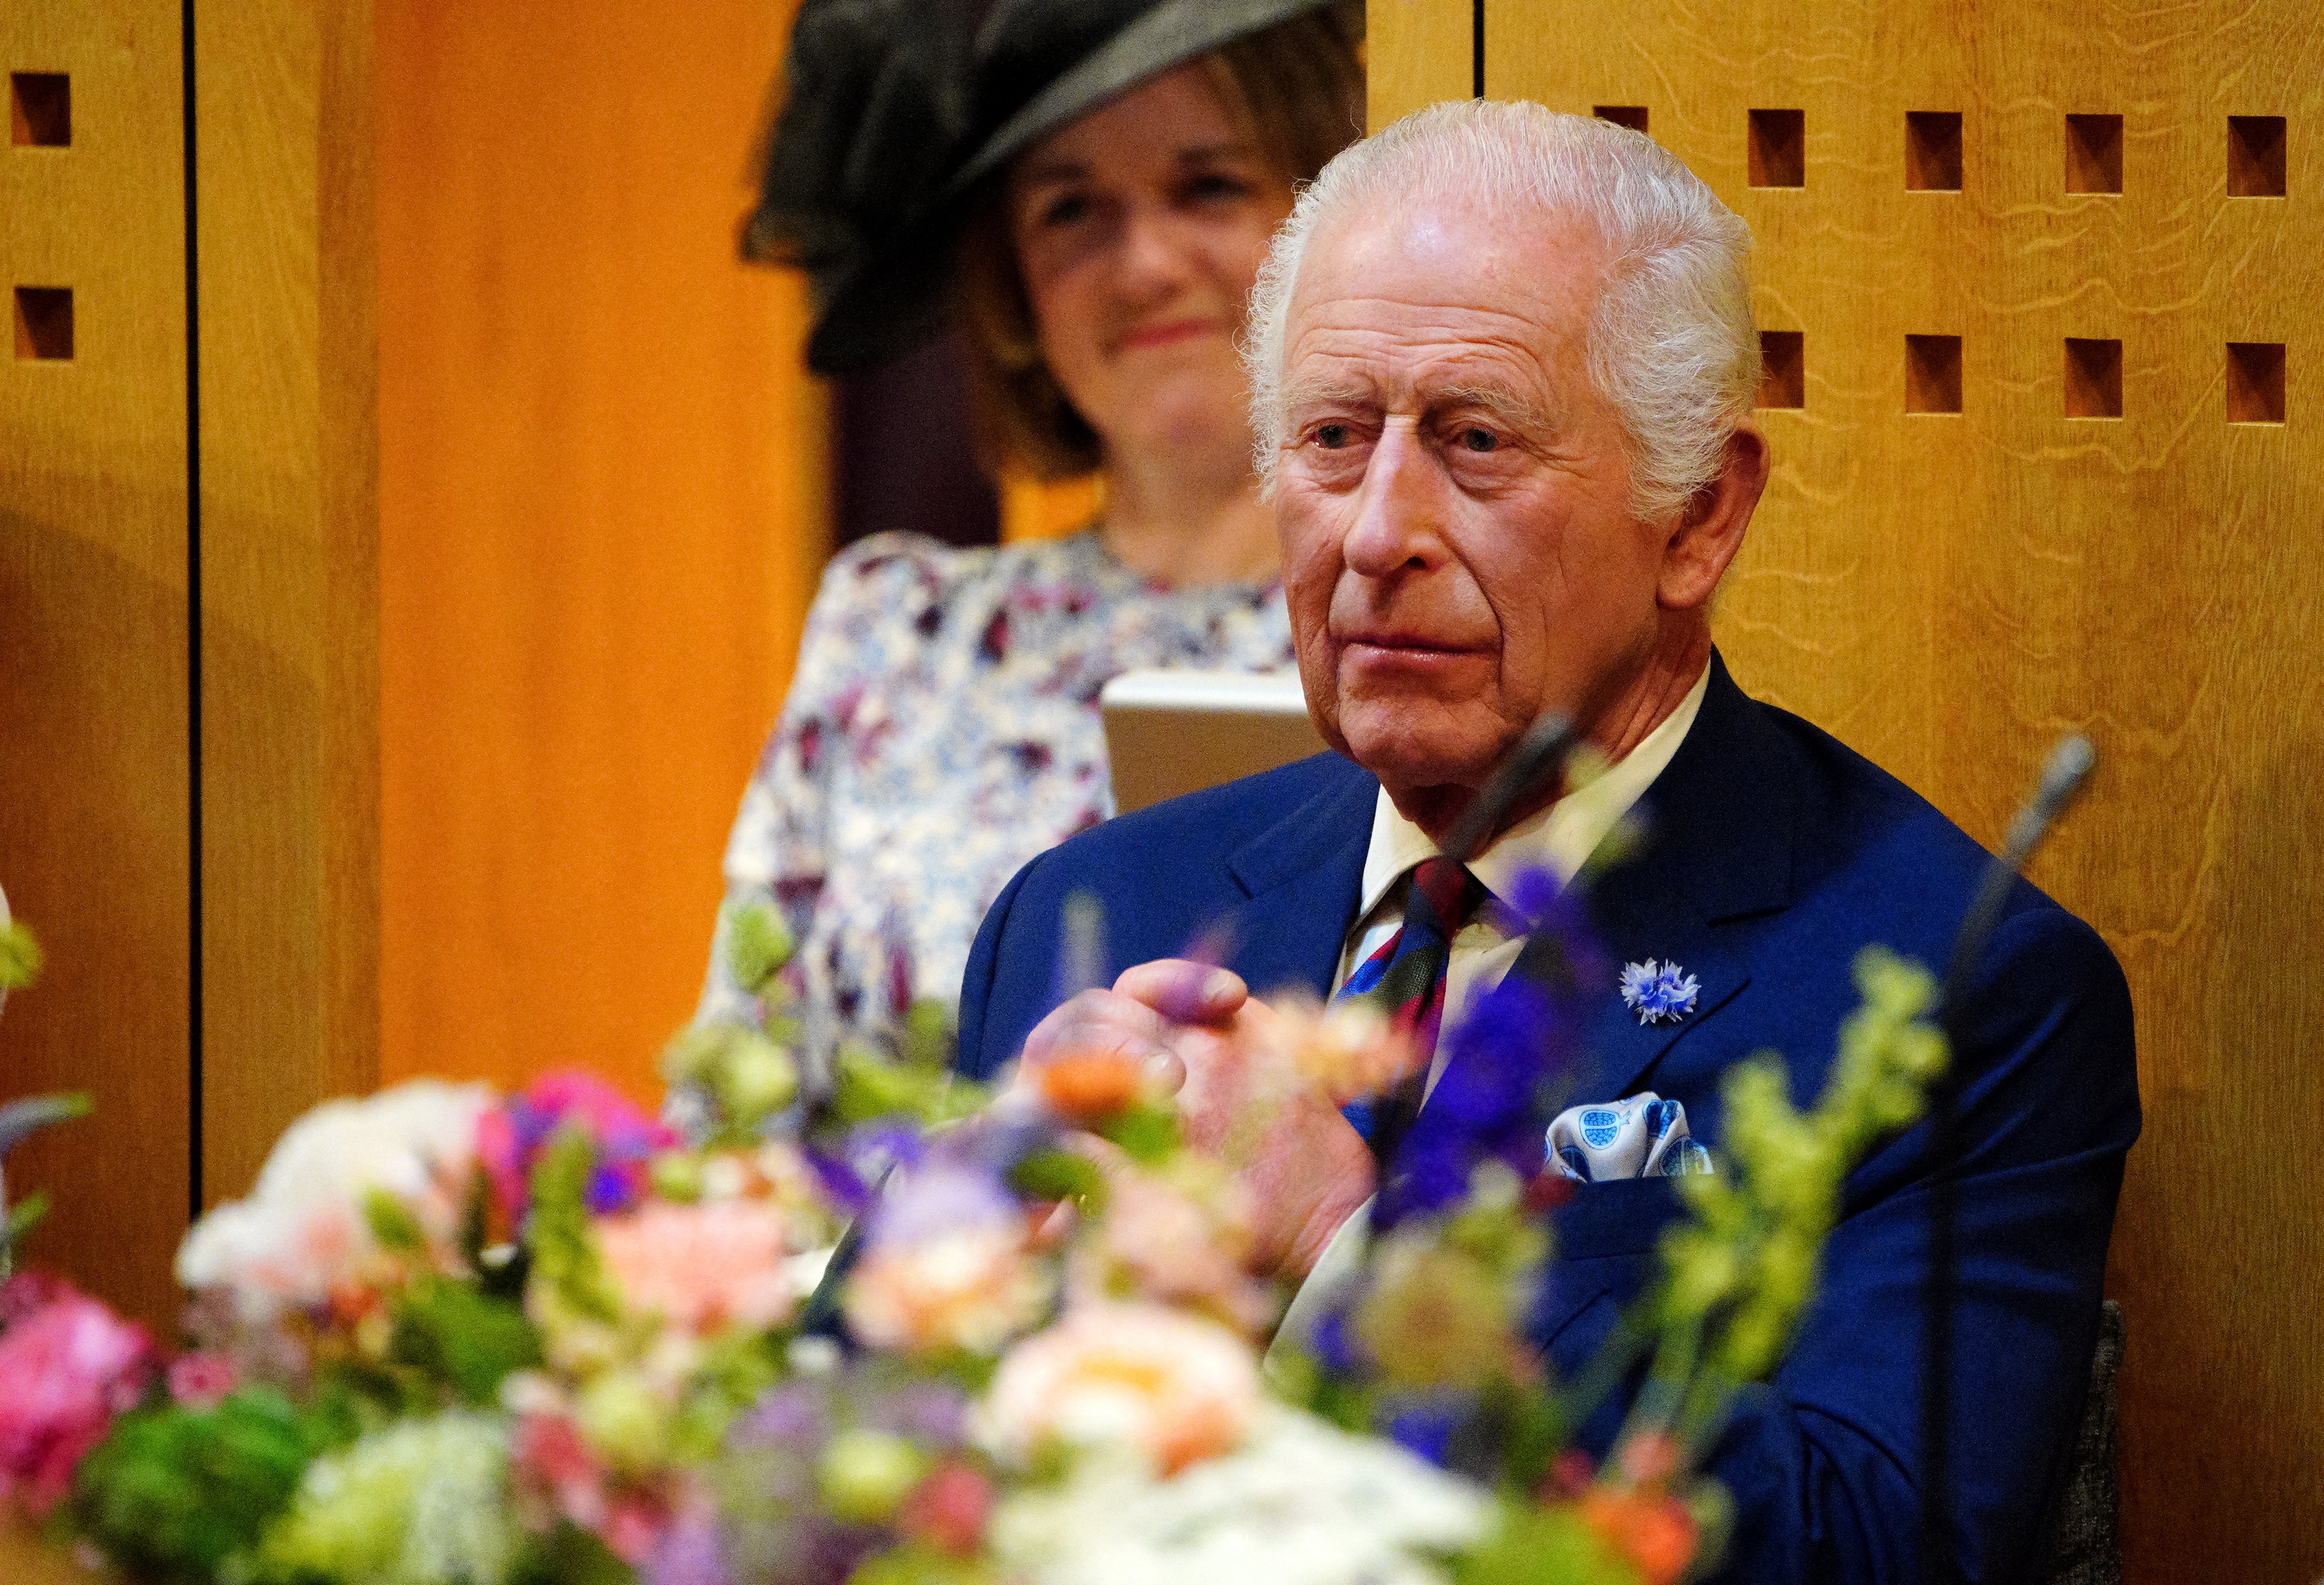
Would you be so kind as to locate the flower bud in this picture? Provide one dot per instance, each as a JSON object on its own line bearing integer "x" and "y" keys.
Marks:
{"x": 758, "y": 1078}
{"x": 677, "y": 1175}
{"x": 622, "y": 1420}
{"x": 866, "y": 1475}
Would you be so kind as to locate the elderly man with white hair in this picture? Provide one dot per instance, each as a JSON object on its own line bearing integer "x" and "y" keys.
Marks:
{"x": 1502, "y": 364}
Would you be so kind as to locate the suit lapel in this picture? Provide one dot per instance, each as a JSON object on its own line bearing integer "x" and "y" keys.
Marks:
{"x": 1304, "y": 878}
{"x": 1718, "y": 848}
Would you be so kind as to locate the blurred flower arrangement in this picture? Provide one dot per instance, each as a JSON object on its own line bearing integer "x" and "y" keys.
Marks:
{"x": 874, "y": 1325}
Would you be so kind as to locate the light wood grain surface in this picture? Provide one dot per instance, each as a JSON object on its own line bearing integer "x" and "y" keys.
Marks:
{"x": 1950, "y": 593}
{"x": 94, "y": 747}
{"x": 289, "y": 571}
{"x": 601, "y": 477}
{"x": 1417, "y": 52}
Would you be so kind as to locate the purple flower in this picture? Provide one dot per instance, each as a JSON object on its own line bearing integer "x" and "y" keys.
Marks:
{"x": 1336, "y": 1346}
{"x": 1658, "y": 993}
{"x": 1425, "y": 1426}
{"x": 688, "y": 1553}
{"x": 1502, "y": 1062}
{"x": 940, "y": 1196}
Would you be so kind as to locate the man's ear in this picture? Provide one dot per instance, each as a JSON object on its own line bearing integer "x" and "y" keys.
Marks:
{"x": 1709, "y": 531}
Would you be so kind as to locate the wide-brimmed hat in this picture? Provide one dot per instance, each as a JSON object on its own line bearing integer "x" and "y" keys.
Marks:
{"x": 892, "y": 119}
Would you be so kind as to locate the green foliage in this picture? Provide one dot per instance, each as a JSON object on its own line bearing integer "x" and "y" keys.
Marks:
{"x": 926, "y": 1037}
{"x": 747, "y": 1075}
{"x": 391, "y": 1223}
{"x": 916, "y": 1563}
{"x": 1531, "y": 1546}
{"x": 569, "y": 1556}
{"x": 1059, "y": 1174}
{"x": 463, "y": 1338}
{"x": 735, "y": 1369}
{"x": 22, "y": 1217}
{"x": 1147, "y": 1132}
{"x": 756, "y": 945}
{"x": 20, "y": 957}
{"x": 866, "y": 1085}
{"x": 419, "y": 1502}
{"x": 1741, "y": 1269}
{"x": 173, "y": 1492}
{"x": 567, "y": 1269}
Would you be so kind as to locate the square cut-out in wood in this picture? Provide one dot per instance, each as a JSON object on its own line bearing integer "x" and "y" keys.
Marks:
{"x": 2255, "y": 156}
{"x": 44, "y": 322}
{"x": 1633, "y": 116}
{"x": 1932, "y": 151}
{"x": 1778, "y": 151}
{"x": 1782, "y": 370}
{"x": 2093, "y": 379}
{"x": 2094, "y": 154}
{"x": 40, "y": 109}
{"x": 2254, "y": 382}
{"x": 1932, "y": 373}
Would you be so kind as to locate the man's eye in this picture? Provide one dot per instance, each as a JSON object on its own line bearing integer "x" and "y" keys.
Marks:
{"x": 1475, "y": 439}
{"x": 1065, "y": 210}
{"x": 1330, "y": 436}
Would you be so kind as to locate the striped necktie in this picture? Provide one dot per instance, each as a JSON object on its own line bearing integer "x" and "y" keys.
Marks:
{"x": 1405, "y": 976}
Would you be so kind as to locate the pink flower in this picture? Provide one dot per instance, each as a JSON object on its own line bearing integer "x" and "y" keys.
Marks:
{"x": 1183, "y": 1242}
{"x": 65, "y": 1370}
{"x": 946, "y": 1265}
{"x": 1174, "y": 1388}
{"x": 949, "y": 1508}
{"x": 200, "y": 1379}
{"x": 553, "y": 1473}
{"x": 1347, "y": 1048}
{"x": 701, "y": 1268}
{"x": 510, "y": 1139}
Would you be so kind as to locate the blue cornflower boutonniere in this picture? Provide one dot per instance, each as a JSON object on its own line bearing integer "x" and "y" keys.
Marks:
{"x": 1658, "y": 993}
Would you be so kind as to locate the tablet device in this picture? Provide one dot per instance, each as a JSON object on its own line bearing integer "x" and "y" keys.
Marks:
{"x": 1168, "y": 732}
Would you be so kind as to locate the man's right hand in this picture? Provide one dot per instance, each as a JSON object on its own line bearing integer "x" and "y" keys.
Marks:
{"x": 1199, "y": 1033}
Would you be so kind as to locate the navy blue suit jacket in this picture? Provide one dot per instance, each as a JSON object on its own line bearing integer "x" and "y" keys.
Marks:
{"x": 1775, "y": 853}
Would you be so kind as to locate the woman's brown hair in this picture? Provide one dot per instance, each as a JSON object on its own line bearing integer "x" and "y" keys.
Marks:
{"x": 1301, "y": 83}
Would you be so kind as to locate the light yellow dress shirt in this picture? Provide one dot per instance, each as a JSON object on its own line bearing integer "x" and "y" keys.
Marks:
{"x": 1562, "y": 837}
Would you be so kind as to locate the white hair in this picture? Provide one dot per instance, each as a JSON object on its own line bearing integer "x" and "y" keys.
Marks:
{"x": 1670, "y": 340}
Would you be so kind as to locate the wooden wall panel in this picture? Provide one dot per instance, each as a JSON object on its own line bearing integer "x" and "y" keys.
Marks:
{"x": 1417, "y": 52}
{"x": 94, "y": 760}
{"x": 289, "y": 571}
{"x": 601, "y": 478}
{"x": 1948, "y": 593}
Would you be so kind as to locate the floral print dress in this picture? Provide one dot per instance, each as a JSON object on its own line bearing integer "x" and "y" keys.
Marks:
{"x": 942, "y": 730}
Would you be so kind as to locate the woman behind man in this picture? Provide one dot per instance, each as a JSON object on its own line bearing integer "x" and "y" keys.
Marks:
{"x": 1090, "y": 198}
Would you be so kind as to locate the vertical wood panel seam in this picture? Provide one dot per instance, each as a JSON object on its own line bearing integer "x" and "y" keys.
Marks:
{"x": 1476, "y": 49}
{"x": 193, "y": 628}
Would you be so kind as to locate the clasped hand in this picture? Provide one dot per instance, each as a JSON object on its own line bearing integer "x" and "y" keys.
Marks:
{"x": 1201, "y": 1036}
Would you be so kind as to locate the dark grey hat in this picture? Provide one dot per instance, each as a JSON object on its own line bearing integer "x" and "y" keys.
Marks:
{"x": 891, "y": 121}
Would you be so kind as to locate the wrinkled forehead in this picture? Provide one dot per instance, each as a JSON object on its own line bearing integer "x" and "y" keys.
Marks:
{"x": 1428, "y": 289}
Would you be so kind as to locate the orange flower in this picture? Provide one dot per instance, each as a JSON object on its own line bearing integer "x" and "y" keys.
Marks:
{"x": 1650, "y": 1527}
{"x": 1091, "y": 1086}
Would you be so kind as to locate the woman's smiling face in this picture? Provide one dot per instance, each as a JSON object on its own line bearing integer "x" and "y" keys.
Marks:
{"x": 1140, "y": 229}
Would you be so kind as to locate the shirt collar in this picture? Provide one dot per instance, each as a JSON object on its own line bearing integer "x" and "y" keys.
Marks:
{"x": 1561, "y": 836}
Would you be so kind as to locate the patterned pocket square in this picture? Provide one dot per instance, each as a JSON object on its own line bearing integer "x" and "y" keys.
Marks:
{"x": 1638, "y": 1137}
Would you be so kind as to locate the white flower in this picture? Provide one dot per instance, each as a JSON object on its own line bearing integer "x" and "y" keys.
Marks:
{"x": 1171, "y": 1388}
{"x": 303, "y": 1231}
{"x": 1301, "y": 1503}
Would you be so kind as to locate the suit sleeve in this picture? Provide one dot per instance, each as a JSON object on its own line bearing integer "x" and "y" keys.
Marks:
{"x": 1824, "y": 1462}
{"x": 980, "y": 984}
